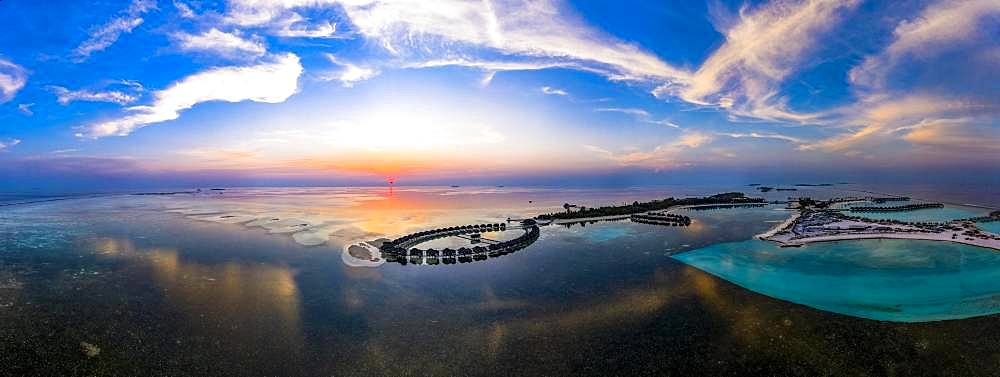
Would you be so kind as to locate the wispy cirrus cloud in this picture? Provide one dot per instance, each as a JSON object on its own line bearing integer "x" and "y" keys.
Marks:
{"x": 348, "y": 74}
{"x": 761, "y": 135}
{"x": 624, "y": 110}
{"x": 553, "y": 91}
{"x": 25, "y": 108}
{"x": 886, "y": 119}
{"x": 663, "y": 156}
{"x": 296, "y": 26}
{"x": 103, "y": 36}
{"x": 945, "y": 25}
{"x": 965, "y": 133}
{"x": 763, "y": 48}
{"x": 122, "y": 97}
{"x": 12, "y": 79}
{"x": 490, "y": 67}
{"x": 269, "y": 82}
{"x": 221, "y": 43}
{"x": 7, "y": 143}
{"x": 184, "y": 10}
{"x": 924, "y": 103}
{"x": 642, "y": 115}
{"x": 541, "y": 29}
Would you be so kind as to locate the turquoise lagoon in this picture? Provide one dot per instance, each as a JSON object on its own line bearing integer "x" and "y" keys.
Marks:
{"x": 944, "y": 214}
{"x": 887, "y": 280}
{"x": 992, "y": 227}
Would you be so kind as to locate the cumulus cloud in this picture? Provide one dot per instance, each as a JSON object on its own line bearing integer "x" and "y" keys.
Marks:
{"x": 12, "y": 79}
{"x": 7, "y": 143}
{"x": 270, "y": 82}
{"x": 762, "y": 48}
{"x": 349, "y": 74}
{"x": 222, "y": 43}
{"x": 103, "y": 36}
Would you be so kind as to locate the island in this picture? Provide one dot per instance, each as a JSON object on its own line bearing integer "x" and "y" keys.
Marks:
{"x": 626, "y": 210}
{"x": 816, "y": 221}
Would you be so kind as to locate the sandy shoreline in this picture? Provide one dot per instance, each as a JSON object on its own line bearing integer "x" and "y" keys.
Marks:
{"x": 845, "y": 230}
{"x": 946, "y": 237}
{"x": 782, "y": 226}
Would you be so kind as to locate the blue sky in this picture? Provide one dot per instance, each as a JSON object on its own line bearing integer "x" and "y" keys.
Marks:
{"x": 184, "y": 92}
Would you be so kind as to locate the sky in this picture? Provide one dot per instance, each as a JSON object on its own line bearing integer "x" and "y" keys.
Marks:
{"x": 166, "y": 93}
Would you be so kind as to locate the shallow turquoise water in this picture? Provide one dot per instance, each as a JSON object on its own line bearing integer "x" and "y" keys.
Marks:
{"x": 890, "y": 280}
{"x": 947, "y": 213}
{"x": 992, "y": 227}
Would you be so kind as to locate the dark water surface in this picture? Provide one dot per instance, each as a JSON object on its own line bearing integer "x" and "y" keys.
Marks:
{"x": 161, "y": 286}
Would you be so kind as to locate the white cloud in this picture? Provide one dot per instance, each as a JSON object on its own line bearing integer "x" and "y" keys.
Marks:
{"x": 184, "y": 10}
{"x": 758, "y": 135}
{"x": 940, "y": 26}
{"x": 7, "y": 143}
{"x": 631, "y": 111}
{"x": 295, "y": 26}
{"x": 762, "y": 48}
{"x": 962, "y": 134}
{"x": 107, "y": 34}
{"x": 271, "y": 82}
{"x": 66, "y": 96}
{"x": 663, "y": 122}
{"x": 221, "y": 43}
{"x": 887, "y": 106}
{"x": 536, "y": 28}
{"x": 25, "y": 108}
{"x": 885, "y": 117}
{"x": 12, "y": 79}
{"x": 643, "y": 115}
{"x": 349, "y": 74}
{"x": 669, "y": 155}
{"x": 554, "y": 91}
{"x": 491, "y": 67}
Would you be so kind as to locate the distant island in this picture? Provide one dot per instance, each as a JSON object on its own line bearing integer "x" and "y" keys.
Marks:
{"x": 728, "y": 198}
{"x": 768, "y": 188}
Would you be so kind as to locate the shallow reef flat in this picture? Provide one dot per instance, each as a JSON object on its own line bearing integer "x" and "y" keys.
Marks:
{"x": 888, "y": 280}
